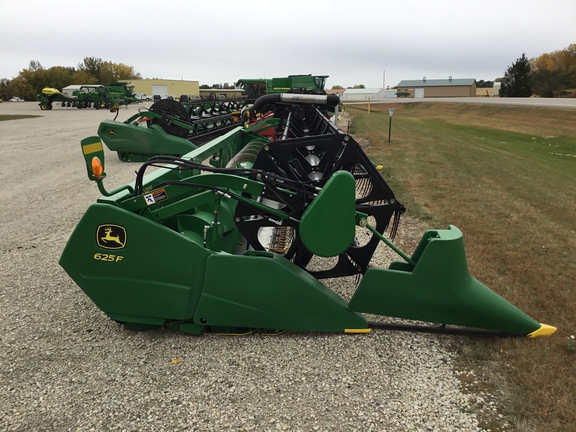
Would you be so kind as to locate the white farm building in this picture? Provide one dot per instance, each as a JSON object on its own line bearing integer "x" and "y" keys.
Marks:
{"x": 363, "y": 94}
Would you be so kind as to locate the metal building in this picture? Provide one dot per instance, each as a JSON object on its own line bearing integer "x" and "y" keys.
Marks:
{"x": 165, "y": 88}
{"x": 425, "y": 88}
{"x": 363, "y": 94}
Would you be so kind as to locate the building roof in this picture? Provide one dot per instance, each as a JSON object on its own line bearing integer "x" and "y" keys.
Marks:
{"x": 451, "y": 82}
{"x": 362, "y": 91}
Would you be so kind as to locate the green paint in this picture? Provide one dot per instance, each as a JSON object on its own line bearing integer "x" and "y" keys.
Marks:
{"x": 327, "y": 227}
{"x": 438, "y": 289}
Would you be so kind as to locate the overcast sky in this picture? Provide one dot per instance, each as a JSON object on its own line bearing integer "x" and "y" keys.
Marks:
{"x": 353, "y": 41}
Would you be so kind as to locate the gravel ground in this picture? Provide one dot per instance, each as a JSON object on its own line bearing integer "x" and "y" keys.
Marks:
{"x": 65, "y": 366}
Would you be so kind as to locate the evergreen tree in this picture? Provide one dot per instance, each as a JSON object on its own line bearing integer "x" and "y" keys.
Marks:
{"x": 516, "y": 81}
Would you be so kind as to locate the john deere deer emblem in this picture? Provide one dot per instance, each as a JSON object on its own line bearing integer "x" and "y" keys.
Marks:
{"x": 111, "y": 236}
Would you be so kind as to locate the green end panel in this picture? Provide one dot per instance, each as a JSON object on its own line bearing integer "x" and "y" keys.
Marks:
{"x": 133, "y": 269}
{"x": 92, "y": 147}
{"x": 439, "y": 290}
{"x": 129, "y": 138}
{"x": 270, "y": 292}
{"x": 328, "y": 226}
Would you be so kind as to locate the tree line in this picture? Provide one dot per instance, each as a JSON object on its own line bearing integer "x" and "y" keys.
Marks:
{"x": 549, "y": 75}
{"x": 92, "y": 70}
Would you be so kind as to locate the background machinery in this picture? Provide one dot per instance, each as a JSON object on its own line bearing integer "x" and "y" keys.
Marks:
{"x": 159, "y": 130}
{"x": 88, "y": 96}
{"x": 254, "y": 88}
{"x": 196, "y": 120}
{"x": 244, "y": 232}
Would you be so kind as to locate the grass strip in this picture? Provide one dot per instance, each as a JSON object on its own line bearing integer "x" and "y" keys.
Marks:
{"x": 506, "y": 176}
{"x": 4, "y": 117}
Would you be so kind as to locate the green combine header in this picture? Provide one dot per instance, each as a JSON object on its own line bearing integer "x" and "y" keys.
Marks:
{"x": 242, "y": 232}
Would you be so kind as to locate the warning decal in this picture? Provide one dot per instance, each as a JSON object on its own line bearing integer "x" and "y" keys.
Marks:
{"x": 155, "y": 197}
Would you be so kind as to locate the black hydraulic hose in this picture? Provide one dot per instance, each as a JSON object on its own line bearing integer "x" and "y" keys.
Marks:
{"x": 330, "y": 100}
{"x": 185, "y": 164}
{"x": 265, "y": 100}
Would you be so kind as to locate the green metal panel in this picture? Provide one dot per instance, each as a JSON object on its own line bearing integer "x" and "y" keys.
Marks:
{"x": 225, "y": 146}
{"x": 439, "y": 289}
{"x": 128, "y": 138}
{"x": 281, "y": 84}
{"x": 327, "y": 227}
{"x": 140, "y": 271}
{"x": 267, "y": 291}
{"x": 92, "y": 147}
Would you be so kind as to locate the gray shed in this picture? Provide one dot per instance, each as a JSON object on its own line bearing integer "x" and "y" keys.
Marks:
{"x": 363, "y": 94}
{"x": 451, "y": 87}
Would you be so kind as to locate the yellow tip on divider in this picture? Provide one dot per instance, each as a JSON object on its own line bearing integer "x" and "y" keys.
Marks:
{"x": 379, "y": 167}
{"x": 366, "y": 330}
{"x": 544, "y": 330}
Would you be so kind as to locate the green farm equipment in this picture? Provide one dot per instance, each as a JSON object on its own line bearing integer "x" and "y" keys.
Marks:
{"x": 120, "y": 91}
{"x": 51, "y": 95}
{"x": 254, "y": 88}
{"x": 159, "y": 129}
{"x": 99, "y": 96}
{"x": 88, "y": 96}
{"x": 246, "y": 232}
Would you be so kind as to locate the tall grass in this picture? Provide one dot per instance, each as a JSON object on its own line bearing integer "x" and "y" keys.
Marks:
{"x": 506, "y": 176}
{"x": 4, "y": 117}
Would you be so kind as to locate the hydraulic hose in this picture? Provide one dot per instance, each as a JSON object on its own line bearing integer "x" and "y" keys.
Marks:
{"x": 330, "y": 100}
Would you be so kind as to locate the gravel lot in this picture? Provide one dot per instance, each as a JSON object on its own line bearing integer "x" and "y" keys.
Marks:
{"x": 65, "y": 366}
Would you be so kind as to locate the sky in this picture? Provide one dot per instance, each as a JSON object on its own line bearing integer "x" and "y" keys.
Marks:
{"x": 370, "y": 42}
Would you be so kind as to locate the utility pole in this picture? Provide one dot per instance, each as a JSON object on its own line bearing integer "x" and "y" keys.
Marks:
{"x": 383, "y": 79}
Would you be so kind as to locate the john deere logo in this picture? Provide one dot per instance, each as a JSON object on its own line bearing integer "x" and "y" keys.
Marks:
{"x": 111, "y": 236}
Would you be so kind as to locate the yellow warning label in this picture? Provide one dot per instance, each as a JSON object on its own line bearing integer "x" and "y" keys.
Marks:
{"x": 92, "y": 148}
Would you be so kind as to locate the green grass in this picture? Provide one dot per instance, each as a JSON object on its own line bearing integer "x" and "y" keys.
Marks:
{"x": 507, "y": 178}
{"x": 4, "y": 117}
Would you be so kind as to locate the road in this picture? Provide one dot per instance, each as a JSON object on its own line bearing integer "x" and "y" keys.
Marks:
{"x": 536, "y": 102}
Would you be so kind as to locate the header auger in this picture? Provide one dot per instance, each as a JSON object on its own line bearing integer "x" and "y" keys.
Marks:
{"x": 239, "y": 234}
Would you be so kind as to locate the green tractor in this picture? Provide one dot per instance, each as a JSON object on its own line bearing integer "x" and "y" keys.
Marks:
{"x": 242, "y": 233}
